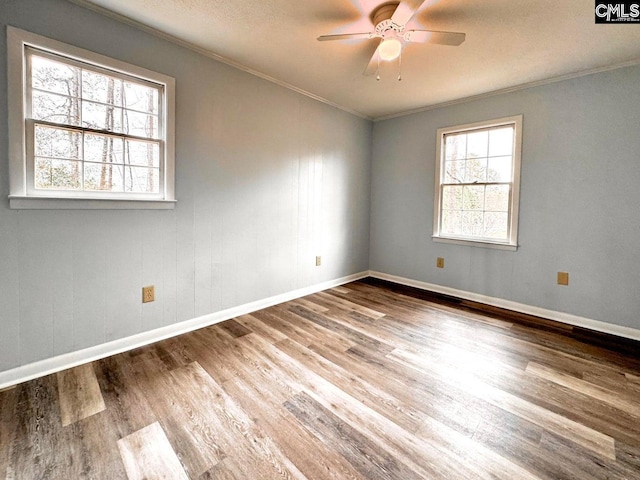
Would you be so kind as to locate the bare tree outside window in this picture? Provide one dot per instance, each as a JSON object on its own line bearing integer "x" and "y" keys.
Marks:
{"x": 477, "y": 180}
{"x": 93, "y": 131}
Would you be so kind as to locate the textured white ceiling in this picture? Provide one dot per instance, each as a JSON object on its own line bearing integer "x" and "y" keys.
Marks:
{"x": 509, "y": 43}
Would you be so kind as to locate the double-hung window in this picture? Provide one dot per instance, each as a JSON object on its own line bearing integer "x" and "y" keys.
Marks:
{"x": 86, "y": 129}
{"x": 477, "y": 183}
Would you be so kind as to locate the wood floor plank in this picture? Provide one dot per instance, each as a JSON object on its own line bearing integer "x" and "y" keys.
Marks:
{"x": 364, "y": 381}
{"x": 355, "y": 336}
{"x": 315, "y": 460}
{"x": 314, "y": 307}
{"x": 333, "y": 301}
{"x": 79, "y": 392}
{"x": 148, "y": 454}
{"x": 599, "y": 393}
{"x": 37, "y": 448}
{"x": 92, "y": 454}
{"x": 318, "y": 333}
{"x": 591, "y": 439}
{"x": 234, "y": 328}
{"x": 499, "y": 438}
{"x": 232, "y": 427}
{"x": 343, "y": 290}
{"x": 193, "y": 439}
{"x": 615, "y": 382}
{"x": 417, "y": 454}
{"x": 261, "y": 328}
{"x": 548, "y": 395}
{"x": 8, "y": 403}
{"x": 282, "y": 323}
{"x": 210, "y": 350}
{"x": 379, "y": 398}
{"x": 394, "y": 303}
{"x": 373, "y": 334}
{"x": 370, "y": 459}
{"x": 584, "y": 465}
{"x": 173, "y": 352}
{"x": 418, "y": 399}
{"x": 126, "y": 403}
{"x": 633, "y": 378}
{"x": 263, "y": 396}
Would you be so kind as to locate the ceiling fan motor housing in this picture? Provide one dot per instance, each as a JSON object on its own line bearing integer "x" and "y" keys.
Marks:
{"x": 381, "y": 18}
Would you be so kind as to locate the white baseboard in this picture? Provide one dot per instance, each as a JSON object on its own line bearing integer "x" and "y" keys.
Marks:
{"x": 72, "y": 359}
{"x": 41, "y": 368}
{"x": 598, "y": 326}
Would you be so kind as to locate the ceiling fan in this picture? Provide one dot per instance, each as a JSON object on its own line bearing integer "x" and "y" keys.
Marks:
{"x": 390, "y": 20}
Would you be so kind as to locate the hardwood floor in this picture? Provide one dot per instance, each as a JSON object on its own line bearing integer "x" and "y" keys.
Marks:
{"x": 366, "y": 381}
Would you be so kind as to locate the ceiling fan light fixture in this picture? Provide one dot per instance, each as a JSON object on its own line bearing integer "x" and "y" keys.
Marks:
{"x": 389, "y": 49}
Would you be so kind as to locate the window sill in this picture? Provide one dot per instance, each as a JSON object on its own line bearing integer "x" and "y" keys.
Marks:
{"x": 19, "y": 202}
{"x": 476, "y": 243}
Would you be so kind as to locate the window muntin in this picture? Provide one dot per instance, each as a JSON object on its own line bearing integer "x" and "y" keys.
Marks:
{"x": 86, "y": 131}
{"x": 477, "y": 182}
{"x": 91, "y": 130}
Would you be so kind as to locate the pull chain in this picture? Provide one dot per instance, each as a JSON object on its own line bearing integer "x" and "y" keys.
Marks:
{"x": 400, "y": 67}
{"x": 378, "y": 69}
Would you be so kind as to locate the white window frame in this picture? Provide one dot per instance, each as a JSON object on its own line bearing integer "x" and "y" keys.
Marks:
{"x": 22, "y": 195}
{"x": 514, "y": 191}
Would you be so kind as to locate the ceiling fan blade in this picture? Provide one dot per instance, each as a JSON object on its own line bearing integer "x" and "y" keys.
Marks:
{"x": 430, "y": 36}
{"x": 405, "y": 11}
{"x": 372, "y": 67}
{"x": 346, "y": 36}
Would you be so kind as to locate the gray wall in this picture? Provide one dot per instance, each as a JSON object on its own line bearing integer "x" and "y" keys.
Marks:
{"x": 579, "y": 203}
{"x": 265, "y": 179}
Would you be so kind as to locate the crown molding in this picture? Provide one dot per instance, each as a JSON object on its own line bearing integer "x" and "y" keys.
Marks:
{"x": 214, "y": 56}
{"x": 515, "y": 88}
{"x": 210, "y": 54}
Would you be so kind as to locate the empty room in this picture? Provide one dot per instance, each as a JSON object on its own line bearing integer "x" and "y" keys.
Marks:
{"x": 339, "y": 239}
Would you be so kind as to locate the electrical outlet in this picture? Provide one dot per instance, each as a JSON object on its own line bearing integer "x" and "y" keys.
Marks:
{"x": 563, "y": 278}
{"x": 318, "y": 261}
{"x": 440, "y": 262}
{"x": 148, "y": 294}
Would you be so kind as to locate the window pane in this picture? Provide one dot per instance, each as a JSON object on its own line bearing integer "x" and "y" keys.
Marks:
{"x": 472, "y": 224}
{"x": 495, "y": 225}
{"x": 451, "y": 222}
{"x": 101, "y": 117}
{"x": 106, "y": 177}
{"x": 501, "y": 142}
{"x": 476, "y": 189}
{"x": 476, "y": 170}
{"x": 57, "y": 142}
{"x": 497, "y": 198}
{"x": 477, "y": 144}
{"x": 473, "y": 197}
{"x": 141, "y": 124}
{"x": 93, "y": 125}
{"x": 142, "y": 180}
{"x": 103, "y": 149}
{"x": 454, "y": 172}
{"x": 499, "y": 169}
{"x": 141, "y": 98}
{"x": 455, "y": 147}
{"x": 145, "y": 154}
{"x": 51, "y": 173}
{"x": 55, "y": 108}
{"x": 54, "y": 76}
{"x": 452, "y": 198}
{"x": 101, "y": 88}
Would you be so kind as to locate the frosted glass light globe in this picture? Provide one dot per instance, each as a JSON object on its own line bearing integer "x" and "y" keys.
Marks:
{"x": 389, "y": 49}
